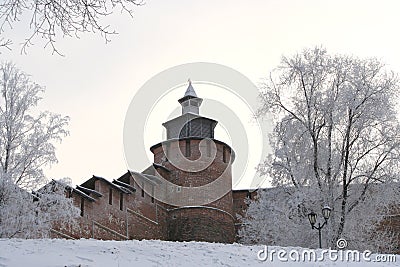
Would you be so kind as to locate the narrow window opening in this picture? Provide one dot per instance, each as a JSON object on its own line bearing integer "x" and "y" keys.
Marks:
{"x": 224, "y": 155}
{"x": 167, "y": 147}
{"x": 121, "y": 201}
{"x": 110, "y": 197}
{"x": 82, "y": 206}
{"x": 152, "y": 194}
{"x": 188, "y": 151}
{"x": 142, "y": 189}
{"x": 208, "y": 148}
{"x": 190, "y": 129}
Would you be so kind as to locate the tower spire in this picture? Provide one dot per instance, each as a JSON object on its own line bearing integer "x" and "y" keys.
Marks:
{"x": 190, "y": 123}
{"x": 190, "y": 102}
{"x": 190, "y": 90}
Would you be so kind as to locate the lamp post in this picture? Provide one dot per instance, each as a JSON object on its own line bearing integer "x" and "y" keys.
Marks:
{"x": 312, "y": 217}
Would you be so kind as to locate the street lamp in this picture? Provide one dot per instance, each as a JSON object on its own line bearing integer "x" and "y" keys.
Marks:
{"x": 312, "y": 217}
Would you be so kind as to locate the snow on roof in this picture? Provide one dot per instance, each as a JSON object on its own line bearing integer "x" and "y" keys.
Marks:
{"x": 88, "y": 190}
{"x": 152, "y": 178}
{"x": 124, "y": 190}
{"x": 125, "y": 185}
{"x": 161, "y": 167}
{"x": 76, "y": 190}
{"x": 148, "y": 177}
{"x": 83, "y": 194}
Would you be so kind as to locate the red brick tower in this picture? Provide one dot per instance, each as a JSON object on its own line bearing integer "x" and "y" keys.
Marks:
{"x": 197, "y": 169}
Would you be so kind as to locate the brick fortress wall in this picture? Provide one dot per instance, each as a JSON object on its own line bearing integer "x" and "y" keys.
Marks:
{"x": 213, "y": 219}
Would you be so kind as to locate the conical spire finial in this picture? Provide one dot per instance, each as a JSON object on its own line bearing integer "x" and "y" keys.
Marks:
{"x": 190, "y": 90}
{"x": 190, "y": 102}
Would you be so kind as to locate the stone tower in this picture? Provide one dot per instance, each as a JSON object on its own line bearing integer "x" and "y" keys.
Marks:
{"x": 199, "y": 169}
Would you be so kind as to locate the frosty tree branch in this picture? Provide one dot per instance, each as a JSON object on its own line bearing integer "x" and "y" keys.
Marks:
{"x": 49, "y": 19}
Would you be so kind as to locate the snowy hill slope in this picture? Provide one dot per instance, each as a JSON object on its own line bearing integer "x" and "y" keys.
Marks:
{"x": 52, "y": 252}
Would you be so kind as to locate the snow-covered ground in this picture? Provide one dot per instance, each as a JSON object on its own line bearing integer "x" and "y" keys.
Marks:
{"x": 52, "y": 252}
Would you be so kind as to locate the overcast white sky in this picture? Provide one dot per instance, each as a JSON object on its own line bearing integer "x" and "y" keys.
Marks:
{"x": 95, "y": 82}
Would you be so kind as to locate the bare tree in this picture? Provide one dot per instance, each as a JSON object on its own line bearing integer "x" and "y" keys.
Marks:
{"x": 336, "y": 141}
{"x": 49, "y": 19}
{"x": 26, "y": 146}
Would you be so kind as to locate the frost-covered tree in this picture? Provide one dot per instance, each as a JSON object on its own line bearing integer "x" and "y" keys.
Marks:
{"x": 26, "y": 147}
{"x": 336, "y": 142}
